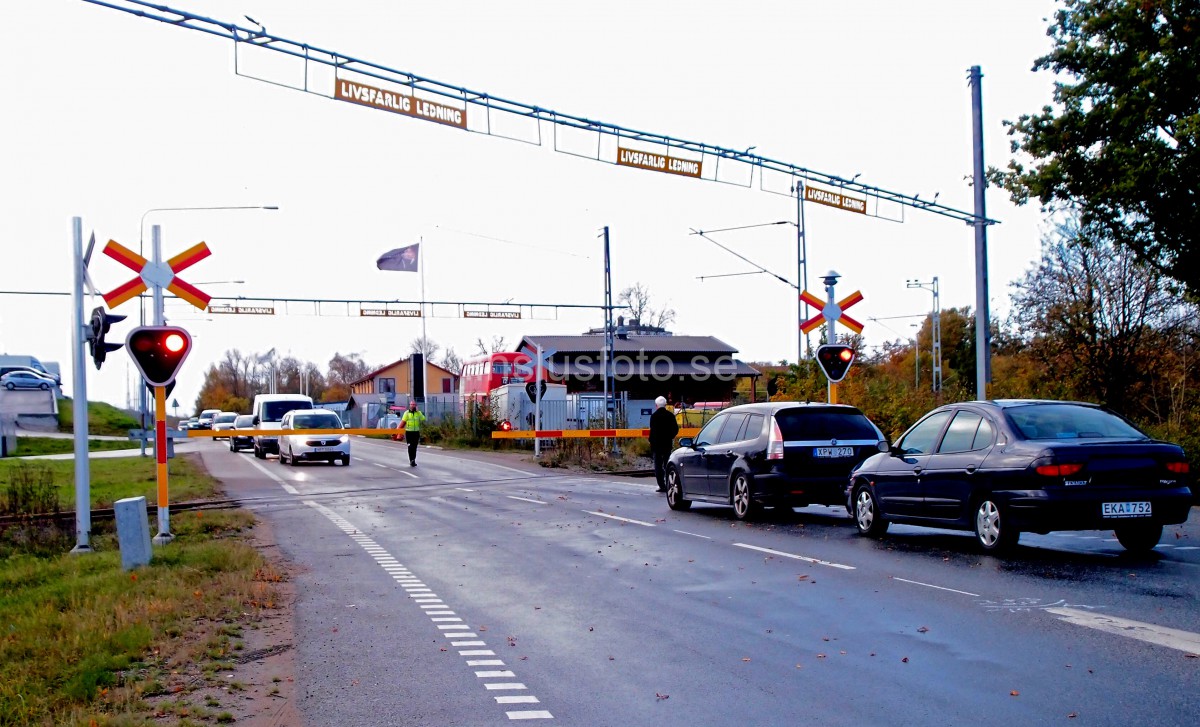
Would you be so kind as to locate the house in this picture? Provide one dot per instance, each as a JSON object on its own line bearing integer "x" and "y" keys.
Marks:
{"x": 372, "y": 396}
{"x": 685, "y": 369}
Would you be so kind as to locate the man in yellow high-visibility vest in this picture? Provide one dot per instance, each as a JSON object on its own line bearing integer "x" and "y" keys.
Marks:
{"x": 411, "y": 422}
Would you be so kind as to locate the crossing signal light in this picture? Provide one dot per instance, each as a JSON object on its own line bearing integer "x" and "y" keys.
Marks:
{"x": 158, "y": 351}
{"x": 102, "y": 320}
{"x": 835, "y": 361}
{"x": 506, "y": 426}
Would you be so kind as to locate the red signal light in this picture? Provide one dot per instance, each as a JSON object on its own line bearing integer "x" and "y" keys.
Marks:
{"x": 158, "y": 351}
{"x": 835, "y": 361}
{"x": 505, "y": 426}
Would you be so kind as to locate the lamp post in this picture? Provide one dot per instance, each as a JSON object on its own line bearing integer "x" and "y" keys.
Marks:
{"x": 156, "y": 234}
{"x": 935, "y": 329}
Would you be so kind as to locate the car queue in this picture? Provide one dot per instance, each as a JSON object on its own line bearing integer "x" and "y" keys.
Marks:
{"x": 993, "y": 468}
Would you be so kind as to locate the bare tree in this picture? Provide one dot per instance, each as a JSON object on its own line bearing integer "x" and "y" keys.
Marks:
{"x": 425, "y": 346}
{"x": 636, "y": 299}
{"x": 1092, "y": 312}
{"x": 451, "y": 360}
{"x": 482, "y": 348}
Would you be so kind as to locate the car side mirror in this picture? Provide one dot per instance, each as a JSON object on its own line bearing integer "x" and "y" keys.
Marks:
{"x": 256, "y": 420}
{"x": 883, "y": 446}
{"x": 685, "y": 442}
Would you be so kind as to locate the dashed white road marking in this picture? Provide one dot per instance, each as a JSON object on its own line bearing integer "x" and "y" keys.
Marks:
{"x": 526, "y": 499}
{"x": 930, "y": 585}
{"x": 617, "y": 517}
{"x": 1184, "y": 641}
{"x": 804, "y": 558}
{"x": 450, "y": 625}
{"x": 694, "y": 535}
{"x": 464, "y": 489}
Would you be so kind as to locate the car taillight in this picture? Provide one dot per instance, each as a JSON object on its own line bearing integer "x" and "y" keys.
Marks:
{"x": 775, "y": 442}
{"x": 1179, "y": 468}
{"x": 1059, "y": 470}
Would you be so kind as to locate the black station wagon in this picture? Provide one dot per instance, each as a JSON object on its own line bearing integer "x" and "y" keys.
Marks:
{"x": 783, "y": 454}
{"x": 1002, "y": 467}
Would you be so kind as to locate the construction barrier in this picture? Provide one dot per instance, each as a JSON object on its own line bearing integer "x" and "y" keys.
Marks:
{"x": 210, "y": 433}
{"x": 582, "y": 433}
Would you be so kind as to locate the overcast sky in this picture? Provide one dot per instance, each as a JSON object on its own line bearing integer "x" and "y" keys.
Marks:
{"x": 107, "y": 116}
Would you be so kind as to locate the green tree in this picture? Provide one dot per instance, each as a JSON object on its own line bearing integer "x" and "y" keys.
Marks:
{"x": 1121, "y": 143}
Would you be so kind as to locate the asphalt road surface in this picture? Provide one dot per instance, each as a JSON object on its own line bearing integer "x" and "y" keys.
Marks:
{"x": 479, "y": 590}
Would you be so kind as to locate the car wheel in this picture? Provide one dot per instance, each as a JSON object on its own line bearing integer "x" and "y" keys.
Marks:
{"x": 675, "y": 499}
{"x": 991, "y": 532}
{"x": 291, "y": 457}
{"x": 743, "y": 505}
{"x": 866, "y": 514}
{"x": 259, "y": 453}
{"x": 10, "y": 386}
{"x": 44, "y": 387}
{"x": 346, "y": 460}
{"x": 231, "y": 447}
{"x": 1139, "y": 538}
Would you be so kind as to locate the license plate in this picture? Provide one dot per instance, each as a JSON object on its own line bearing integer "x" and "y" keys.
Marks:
{"x": 324, "y": 449}
{"x": 1126, "y": 509}
{"x": 833, "y": 452}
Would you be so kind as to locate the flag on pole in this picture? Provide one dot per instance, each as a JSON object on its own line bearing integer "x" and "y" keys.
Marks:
{"x": 403, "y": 259}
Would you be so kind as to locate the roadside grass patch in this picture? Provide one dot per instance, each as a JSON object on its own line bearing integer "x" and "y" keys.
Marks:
{"x": 84, "y": 643}
{"x": 35, "y": 446}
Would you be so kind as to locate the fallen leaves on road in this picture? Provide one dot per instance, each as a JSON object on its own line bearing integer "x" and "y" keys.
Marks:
{"x": 1014, "y": 693}
{"x": 904, "y": 660}
{"x": 745, "y": 658}
{"x": 662, "y": 696}
{"x": 1072, "y": 715}
{"x": 923, "y": 629}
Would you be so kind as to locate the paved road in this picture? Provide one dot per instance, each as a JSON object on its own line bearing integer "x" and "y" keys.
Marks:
{"x": 471, "y": 592}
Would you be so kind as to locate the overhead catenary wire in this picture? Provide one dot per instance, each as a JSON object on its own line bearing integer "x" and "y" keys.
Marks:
{"x": 739, "y": 256}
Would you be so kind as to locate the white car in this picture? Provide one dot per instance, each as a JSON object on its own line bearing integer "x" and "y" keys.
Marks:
{"x": 329, "y": 445}
{"x": 27, "y": 380}
{"x": 223, "y": 422}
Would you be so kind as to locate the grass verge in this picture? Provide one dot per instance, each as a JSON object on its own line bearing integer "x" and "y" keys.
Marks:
{"x": 87, "y": 643}
{"x": 33, "y": 446}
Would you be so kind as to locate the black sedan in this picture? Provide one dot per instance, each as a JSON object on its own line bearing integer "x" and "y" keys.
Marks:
{"x": 784, "y": 454}
{"x": 1002, "y": 467}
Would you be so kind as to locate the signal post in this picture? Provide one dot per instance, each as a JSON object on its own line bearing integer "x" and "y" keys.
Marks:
{"x": 833, "y": 358}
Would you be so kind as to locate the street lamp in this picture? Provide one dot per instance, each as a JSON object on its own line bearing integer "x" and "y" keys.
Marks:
{"x": 935, "y": 329}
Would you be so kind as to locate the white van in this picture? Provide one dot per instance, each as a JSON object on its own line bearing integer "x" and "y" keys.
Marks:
{"x": 268, "y": 410}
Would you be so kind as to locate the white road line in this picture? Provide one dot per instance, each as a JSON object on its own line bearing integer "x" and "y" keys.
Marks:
{"x": 468, "y": 643}
{"x": 517, "y": 699}
{"x": 464, "y": 489}
{"x": 485, "y": 662}
{"x": 694, "y": 535}
{"x": 506, "y": 686}
{"x": 930, "y": 585}
{"x": 804, "y": 558}
{"x": 477, "y": 652}
{"x": 1184, "y": 641}
{"x": 495, "y": 674}
{"x": 622, "y": 519}
{"x": 526, "y": 499}
{"x": 530, "y": 714}
{"x": 378, "y": 464}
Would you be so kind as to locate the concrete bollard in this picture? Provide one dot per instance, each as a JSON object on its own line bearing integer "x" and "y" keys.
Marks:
{"x": 133, "y": 531}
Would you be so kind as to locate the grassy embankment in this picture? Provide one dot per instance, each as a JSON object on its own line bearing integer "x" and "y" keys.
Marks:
{"x": 87, "y": 643}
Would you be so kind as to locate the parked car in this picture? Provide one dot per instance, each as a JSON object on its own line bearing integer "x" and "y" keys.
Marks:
{"x": 785, "y": 454}
{"x": 1003, "y": 467}
{"x": 26, "y": 380}
{"x": 223, "y": 422}
{"x": 9, "y": 368}
{"x": 331, "y": 446}
{"x": 205, "y": 420}
{"x": 238, "y": 442}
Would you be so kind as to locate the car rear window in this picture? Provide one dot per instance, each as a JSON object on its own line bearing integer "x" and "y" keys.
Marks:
{"x": 1069, "y": 421}
{"x": 244, "y": 420}
{"x": 225, "y": 418}
{"x": 812, "y": 424}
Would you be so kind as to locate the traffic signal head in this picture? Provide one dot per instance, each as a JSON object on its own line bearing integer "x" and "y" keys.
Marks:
{"x": 835, "y": 361}
{"x": 158, "y": 352}
{"x": 101, "y": 322}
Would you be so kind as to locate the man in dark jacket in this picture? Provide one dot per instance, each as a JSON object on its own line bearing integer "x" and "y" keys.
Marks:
{"x": 663, "y": 429}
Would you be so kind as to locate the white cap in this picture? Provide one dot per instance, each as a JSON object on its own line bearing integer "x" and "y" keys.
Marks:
{"x": 660, "y": 401}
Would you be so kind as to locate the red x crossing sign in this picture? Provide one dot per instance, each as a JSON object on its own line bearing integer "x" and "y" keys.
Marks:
{"x": 831, "y": 311}
{"x": 161, "y": 274}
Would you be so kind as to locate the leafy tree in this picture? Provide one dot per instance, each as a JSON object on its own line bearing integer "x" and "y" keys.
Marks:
{"x": 636, "y": 299}
{"x": 1121, "y": 145}
{"x": 342, "y": 371}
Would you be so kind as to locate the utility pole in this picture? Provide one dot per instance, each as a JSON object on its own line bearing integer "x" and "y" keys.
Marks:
{"x": 983, "y": 351}
{"x": 935, "y": 329}
{"x": 83, "y": 477}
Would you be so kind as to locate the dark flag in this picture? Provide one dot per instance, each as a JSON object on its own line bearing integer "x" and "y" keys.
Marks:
{"x": 403, "y": 259}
